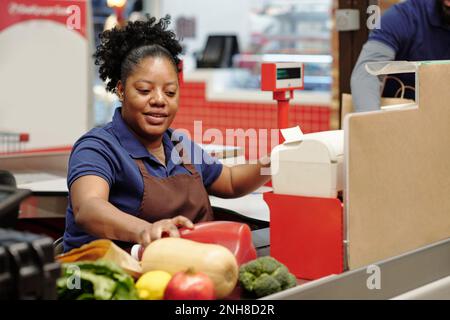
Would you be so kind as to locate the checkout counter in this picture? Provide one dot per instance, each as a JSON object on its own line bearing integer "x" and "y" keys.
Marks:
{"x": 387, "y": 235}
{"x": 395, "y": 227}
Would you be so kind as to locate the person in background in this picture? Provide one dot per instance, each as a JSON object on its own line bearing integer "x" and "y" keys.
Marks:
{"x": 414, "y": 30}
{"x": 135, "y": 179}
{"x": 132, "y": 11}
{"x": 136, "y": 11}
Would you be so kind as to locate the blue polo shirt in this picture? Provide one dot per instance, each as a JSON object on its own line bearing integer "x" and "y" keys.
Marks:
{"x": 110, "y": 152}
{"x": 416, "y": 32}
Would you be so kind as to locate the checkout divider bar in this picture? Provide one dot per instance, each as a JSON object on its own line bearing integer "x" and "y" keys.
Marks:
{"x": 397, "y": 276}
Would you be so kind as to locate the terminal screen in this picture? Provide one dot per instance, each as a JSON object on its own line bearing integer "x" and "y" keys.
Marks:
{"x": 288, "y": 73}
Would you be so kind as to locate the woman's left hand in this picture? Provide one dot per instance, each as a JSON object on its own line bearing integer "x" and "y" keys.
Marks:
{"x": 157, "y": 230}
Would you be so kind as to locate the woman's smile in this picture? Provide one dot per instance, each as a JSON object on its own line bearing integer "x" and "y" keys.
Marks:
{"x": 155, "y": 118}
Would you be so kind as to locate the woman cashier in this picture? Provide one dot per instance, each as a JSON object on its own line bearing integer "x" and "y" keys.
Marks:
{"x": 129, "y": 180}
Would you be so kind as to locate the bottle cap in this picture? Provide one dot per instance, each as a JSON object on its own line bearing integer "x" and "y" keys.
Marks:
{"x": 136, "y": 252}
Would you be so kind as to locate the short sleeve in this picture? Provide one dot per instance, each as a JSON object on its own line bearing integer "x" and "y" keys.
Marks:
{"x": 211, "y": 169}
{"x": 90, "y": 157}
{"x": 396, "y": 27}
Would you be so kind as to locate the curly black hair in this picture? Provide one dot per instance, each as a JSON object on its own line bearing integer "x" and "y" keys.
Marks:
{"x": 121, "y": 49}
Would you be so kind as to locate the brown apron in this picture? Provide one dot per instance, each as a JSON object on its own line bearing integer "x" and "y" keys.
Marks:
{"x": 181, "y": 194}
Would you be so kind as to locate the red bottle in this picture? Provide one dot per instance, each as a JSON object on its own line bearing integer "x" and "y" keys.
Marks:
{"x": 235, "y": 236}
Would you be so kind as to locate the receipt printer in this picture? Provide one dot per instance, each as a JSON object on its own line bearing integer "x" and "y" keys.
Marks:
{"x": 309, "y": 164}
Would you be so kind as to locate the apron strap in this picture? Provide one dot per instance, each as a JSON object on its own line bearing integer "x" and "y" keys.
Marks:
{"x": 190, "y": 167}
{"x": 142, "y": 169}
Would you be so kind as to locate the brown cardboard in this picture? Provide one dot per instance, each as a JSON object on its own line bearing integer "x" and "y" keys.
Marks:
{"x": 398, "y": 174}
{"x": 347, "y": 103}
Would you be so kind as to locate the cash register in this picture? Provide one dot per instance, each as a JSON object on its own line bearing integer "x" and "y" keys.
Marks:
{"x": 27, "y": 266}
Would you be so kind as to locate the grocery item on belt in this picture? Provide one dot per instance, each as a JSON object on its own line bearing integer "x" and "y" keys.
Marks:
{"x": 152, "y": 285}
{"x": 264, "y": 276}
{"x": 106, "y": 250}
{"x": 235, "y": 236}
{"x": 95, "y": 280}
{"x": 176, "y": 254}
{"x": 190, "y": 285}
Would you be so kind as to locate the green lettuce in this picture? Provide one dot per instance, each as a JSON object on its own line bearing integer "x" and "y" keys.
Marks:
{"x": 95, "y": 280}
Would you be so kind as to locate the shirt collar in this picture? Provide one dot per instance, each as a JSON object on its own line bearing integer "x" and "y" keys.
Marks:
{"x": 133, "y": 146}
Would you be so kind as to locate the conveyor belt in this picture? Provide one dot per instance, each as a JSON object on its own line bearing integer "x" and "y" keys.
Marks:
{"x": 420, "y": 274}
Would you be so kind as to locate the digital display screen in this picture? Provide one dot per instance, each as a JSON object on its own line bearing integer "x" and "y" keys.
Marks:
{"x": 288, "y": 73}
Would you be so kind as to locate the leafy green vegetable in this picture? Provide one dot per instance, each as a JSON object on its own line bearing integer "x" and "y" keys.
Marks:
{"x": 99, "y": 280}
{"x": 264, "y": 276}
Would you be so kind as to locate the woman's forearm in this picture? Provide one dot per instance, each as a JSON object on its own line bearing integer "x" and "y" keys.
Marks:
{"x": 248, "y": 177}
{"x": 102, "y": 219}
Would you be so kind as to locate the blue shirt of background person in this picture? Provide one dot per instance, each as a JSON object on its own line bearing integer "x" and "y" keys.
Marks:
{"x": 414, "y": 30}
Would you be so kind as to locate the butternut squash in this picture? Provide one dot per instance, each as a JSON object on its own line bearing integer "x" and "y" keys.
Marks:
{"x": 177, "y": 254}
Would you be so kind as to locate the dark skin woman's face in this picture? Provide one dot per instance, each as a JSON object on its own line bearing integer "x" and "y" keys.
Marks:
{"x": 150, "y": 99}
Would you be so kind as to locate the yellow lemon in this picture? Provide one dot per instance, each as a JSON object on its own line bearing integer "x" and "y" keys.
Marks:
{"x": 151, "y": 285}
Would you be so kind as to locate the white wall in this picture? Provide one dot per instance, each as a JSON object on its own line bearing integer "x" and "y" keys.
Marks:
{"x": 44, "y": 73}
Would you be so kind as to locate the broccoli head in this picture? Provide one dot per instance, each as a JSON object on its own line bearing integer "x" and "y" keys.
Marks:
{"x": 285, "y": 278}
{"x": 264, "y": 276}
{"x": 265, "y": 285}
{"x": 247, "y": 279}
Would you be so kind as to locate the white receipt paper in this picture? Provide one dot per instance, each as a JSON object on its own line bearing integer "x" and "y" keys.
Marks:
{"x": 293, "y": 134}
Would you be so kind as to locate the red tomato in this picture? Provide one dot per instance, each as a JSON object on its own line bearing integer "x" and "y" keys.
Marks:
{"x": 190, "y": 285}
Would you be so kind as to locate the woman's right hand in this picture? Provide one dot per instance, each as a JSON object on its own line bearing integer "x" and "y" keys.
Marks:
{"x": 156, "y": 230}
